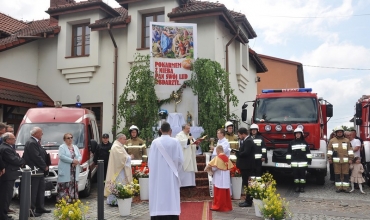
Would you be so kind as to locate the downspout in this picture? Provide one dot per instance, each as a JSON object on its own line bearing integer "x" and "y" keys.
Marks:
{"x": 228, "y": 74}
{"x": 114, "y": 80}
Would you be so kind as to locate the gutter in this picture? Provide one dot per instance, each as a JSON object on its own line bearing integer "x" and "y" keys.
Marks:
{"x": 227, "y": 70}
{"x": 115, "y": 79}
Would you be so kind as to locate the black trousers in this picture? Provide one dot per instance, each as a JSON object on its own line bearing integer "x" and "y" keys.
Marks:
{"x": 299, "y": 174}
{"x": 246, "y": 174}
{"x": 165, "y": 217}
{"x": 6, "y": 192}
{"x": 37, "y": 192}
{"x": 258, "y": 169}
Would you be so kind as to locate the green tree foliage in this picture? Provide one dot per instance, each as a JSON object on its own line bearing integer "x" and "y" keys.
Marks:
{"x": 346, "y": 128}
{"x": 209, "y": 82}
{"x": 138, "y": 102}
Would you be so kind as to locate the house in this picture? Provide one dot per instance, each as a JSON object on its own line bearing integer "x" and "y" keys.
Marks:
{"x": 83, "y": 53}
{"x": 281, "y": 74}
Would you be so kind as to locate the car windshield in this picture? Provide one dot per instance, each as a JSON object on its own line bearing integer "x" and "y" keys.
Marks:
{"x": 284, "y": 110}
{"x": 52, "y": 134}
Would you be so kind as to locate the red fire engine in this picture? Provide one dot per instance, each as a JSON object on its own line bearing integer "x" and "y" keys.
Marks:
{"x": 361, "y": 124}
{"x": 277, "y": 112}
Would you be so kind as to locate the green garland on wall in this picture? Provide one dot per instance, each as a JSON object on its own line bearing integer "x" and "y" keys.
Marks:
{"x": 170, "y": 99}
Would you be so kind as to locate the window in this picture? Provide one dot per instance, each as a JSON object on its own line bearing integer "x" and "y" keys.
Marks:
{"x": 80, "y": 40}
{"x": 145, "y": 31}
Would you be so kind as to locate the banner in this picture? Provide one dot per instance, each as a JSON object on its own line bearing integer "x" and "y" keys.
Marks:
{"x": 173, "y": 50}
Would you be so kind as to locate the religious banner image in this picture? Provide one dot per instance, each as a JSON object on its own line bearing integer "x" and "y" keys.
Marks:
{"x": 173, "y": 51}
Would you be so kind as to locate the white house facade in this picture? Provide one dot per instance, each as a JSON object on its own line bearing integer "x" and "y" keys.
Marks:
{"x": 86, "y": 49}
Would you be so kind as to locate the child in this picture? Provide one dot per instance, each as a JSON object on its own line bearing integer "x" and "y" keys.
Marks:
{"x": 356, "y": 176}
{"x": 221, "y": 165}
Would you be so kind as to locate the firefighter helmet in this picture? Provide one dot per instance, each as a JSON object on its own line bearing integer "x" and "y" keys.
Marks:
{"x": 229, "y": 123}
{"x": 254, "y": 126}
{"x": 339, "y": 128}
{"x": 134, "y": 127}
{"x": 298, "y": 130}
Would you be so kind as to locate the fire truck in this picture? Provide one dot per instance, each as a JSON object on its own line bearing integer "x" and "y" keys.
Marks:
{"x": 362, "y": 126}
{"x": 277, "y": 112}
{"x": 55, "y": 122}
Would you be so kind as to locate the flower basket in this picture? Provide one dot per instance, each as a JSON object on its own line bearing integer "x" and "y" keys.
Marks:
{"x": 72, "y": 211}
{"x": 257, "y": 187}
{"x": 124, "y": 206}
{"x": 142, "y": 174}
{"x": 124, "y": 191}
{"x": 236, "y": 183}
{"x": 275, "y": 207}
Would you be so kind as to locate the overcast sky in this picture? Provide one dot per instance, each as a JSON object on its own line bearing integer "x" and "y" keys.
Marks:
{"x": 330, "y": 33}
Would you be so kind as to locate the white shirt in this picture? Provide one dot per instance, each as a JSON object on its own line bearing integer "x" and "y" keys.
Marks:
{"x": 226, "y": 146}
{"x": 356, "y": 143}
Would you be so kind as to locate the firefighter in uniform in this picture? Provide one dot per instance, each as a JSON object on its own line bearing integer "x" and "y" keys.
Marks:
{"x": 230, "y": 136}
{"x": 340, "y": 153}
{"x": 299, "y": 156}
{"x": 260, "y": 153}
{"x": 136, "y": 145}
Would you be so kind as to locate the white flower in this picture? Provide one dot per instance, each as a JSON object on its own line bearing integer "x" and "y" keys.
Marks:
{"x": 70, "y": 213}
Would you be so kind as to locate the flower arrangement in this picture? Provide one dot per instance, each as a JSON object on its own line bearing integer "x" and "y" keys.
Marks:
{"x": 124, "y": 191}
{"x": 163, "y": 113}
{"x": 141, "y": 172}
{"x": 275, "y": 207}
{"x": 257, "y": 187}
{"x": 71, "y": 211}
{"x": 235, "y": 172}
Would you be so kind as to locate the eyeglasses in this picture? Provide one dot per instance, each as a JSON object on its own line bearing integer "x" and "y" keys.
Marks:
{"x": 69, "y": 137}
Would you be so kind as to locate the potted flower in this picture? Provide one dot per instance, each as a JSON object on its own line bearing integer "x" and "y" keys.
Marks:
{"x": 163, "y": 113}
{"x": 71, "y": 211}
{"x": 257, "y": 189}
{"x": 124, "y": 194}
{"x": 142, "y": 174}
{"x": 236, "y": 182}
{"x": 274, "y": 207}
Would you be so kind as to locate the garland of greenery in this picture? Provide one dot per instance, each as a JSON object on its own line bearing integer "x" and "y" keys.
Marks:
{"x": 170, "y": 99}
{"x": 210, "y": 82}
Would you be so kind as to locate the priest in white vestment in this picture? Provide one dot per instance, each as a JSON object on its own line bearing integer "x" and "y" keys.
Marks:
{"x": 119, "y": 167}
{"x": 187, "y": 174}
{"x": 164, "y": 162}
{"x": 223, "y": 142}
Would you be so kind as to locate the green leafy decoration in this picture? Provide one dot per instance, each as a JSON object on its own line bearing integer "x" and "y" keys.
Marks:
{"x": 210, "y": 82}
{"x": 138, "y": 102}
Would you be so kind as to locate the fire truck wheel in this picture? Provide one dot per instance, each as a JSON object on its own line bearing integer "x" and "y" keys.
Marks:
{"x": 320, "y": 179}
{"x": 86, "y": 192}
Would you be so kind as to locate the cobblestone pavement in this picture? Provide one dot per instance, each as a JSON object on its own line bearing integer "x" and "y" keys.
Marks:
{"x": 318, "y": 202}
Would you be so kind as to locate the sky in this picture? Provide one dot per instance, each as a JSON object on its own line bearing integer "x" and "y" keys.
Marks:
{"x": 330, "y": 38}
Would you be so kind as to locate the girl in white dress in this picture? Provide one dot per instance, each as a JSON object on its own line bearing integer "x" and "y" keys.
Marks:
{"x": 356, "y": 175}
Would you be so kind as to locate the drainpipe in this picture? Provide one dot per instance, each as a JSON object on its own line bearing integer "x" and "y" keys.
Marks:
{"x": 227, "y": 70}
{"x": 115, "y": 79}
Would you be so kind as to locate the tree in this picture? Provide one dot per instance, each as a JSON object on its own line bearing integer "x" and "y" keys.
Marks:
{"x": 346, "y": 128}
{"x": 210, "y": 82}
{"x": 138, "y": 102}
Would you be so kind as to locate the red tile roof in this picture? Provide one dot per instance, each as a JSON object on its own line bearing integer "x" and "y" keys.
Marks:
{"x": 122, "y": 19}
{"x": 9, "y": 25}
{"x": 81, "y": 6}
{"x": 198, "y": 8}
{"x": 34, "y": 28}
{"x": 22, "y": 94}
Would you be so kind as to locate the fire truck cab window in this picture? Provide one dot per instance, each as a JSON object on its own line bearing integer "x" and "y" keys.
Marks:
{"x": 284, "y": 110}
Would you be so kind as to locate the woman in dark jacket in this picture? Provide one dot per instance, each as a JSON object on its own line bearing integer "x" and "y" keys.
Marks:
{"x": 299, "y": 156}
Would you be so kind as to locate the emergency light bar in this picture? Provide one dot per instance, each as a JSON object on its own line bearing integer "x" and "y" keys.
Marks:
{"x": 287, "y": 90}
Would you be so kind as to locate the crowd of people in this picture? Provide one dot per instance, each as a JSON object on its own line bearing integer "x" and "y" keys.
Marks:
{"x": 172, "y": 159}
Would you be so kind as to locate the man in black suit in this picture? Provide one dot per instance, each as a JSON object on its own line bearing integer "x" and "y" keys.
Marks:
{"x": 12, "y": 163}
{"x": 35, "y": 155}
{"x": 245, "y": 162}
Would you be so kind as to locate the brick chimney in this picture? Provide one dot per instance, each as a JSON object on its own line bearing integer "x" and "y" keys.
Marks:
{"x": 56, "y": 3}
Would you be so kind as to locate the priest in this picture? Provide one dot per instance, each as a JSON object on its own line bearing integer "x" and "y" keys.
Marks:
{"x": 119, "y": 163}
{"x": 187, "y": 173}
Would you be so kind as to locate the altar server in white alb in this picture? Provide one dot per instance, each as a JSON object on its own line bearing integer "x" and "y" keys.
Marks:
{"x": 187, "y": 174}
{"x": 223, "y": 142}
{"x": 165, "y": 161}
